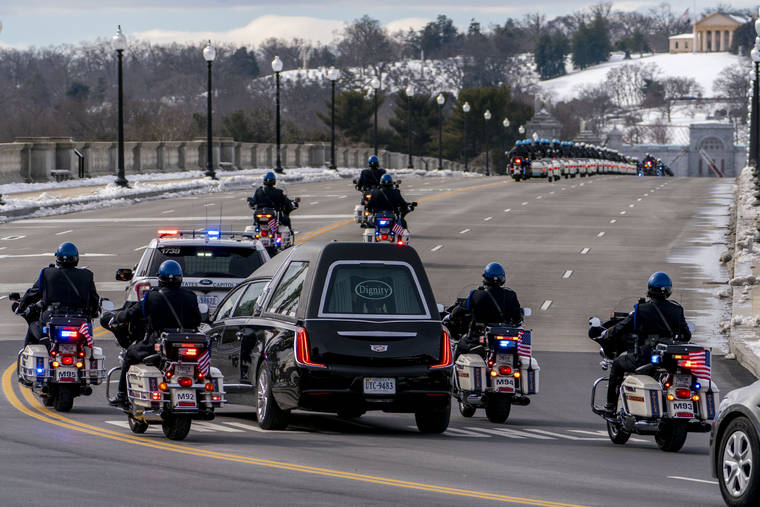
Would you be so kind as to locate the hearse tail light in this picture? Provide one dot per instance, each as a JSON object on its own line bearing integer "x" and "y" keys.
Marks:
{"x": 446, "y": 360}
{"x": 303, "y": 355}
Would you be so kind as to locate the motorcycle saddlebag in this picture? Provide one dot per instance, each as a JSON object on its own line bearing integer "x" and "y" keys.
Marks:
{"x": 529, "y": 376}
{"x": 95, "y": 366}
{"x": 35, "y": 363}
{"x": 471, "y": 373}
{"x": 709, "y": 399}
{"x": 143, "y": 380}
{"x": 643, "y": 395}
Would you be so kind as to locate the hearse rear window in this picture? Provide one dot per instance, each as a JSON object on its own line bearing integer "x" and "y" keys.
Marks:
{"x": 206, "y": 261}
{"x": 372, "y": 289}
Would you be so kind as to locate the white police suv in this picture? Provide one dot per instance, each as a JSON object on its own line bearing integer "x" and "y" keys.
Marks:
{"x": 213, "y": 262}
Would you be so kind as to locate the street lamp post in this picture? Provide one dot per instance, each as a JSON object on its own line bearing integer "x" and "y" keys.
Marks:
{"x": 333, "y": 74}
{"x": 505, "y": 122}
{"x": 375, "y": 84}
{"x": 409, "y": 93}
{"x": 753, "y": 118}
{"x": 521, "y": 130}
{"x": 486, "y": 117}
{"x": 119, "y": 43}
{"x": 209, "y": 53}
{"x": 277, "y": 67}
{"x": 440, "y": 99}
{"x": 465, "y": 110}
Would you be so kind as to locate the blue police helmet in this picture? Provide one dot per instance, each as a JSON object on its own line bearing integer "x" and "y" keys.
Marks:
{"x": 555, "y": 141}
{"x": 270, "y": 179}
{"x": 493, "y": 274}
{"x": 526, "y": 141}
{"x": 373, "y": 161}
{"x": 67, "y": 255}
{"x": 570, "y": 143}
{"x": 170, "y": 274}
{"x": 386, "y": 180}
{"x": 518, "y": 143}
{"x": 544, "y": 141}
{"x": 659, "y": 285}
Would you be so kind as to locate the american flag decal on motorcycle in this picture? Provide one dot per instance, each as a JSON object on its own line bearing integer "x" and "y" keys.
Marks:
{"x": 397, "y": 229}
{"x": 204, "y": 363}
{"x": 524, "y": 346}
{"x": 273, "y": 225}
{"x": 84, "y": 330}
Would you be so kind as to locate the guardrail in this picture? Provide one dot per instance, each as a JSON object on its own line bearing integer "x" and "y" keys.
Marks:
{"x": 35, "y": 159}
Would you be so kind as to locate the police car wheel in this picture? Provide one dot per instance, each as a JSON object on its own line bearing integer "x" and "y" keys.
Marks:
{"x": 737, "y": 456}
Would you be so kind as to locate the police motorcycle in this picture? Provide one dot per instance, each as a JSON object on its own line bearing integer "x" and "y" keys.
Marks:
{"x": 361, "y": 214}
{"x": 172, "y": 387}
{"x": 669, "y": 397}
{"x": 387, "y": 227}
{"x": 267, "y": 227}
{"x": 498, "y": 371}
{"x": 70, "y": 366}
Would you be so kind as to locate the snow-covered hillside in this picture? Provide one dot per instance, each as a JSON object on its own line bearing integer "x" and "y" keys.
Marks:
{"x": 703, "y": 67}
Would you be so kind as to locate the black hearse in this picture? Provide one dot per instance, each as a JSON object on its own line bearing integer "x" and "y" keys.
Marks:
{"x": 336, "y": 327}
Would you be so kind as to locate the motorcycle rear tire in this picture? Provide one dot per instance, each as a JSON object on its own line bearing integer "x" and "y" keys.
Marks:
{"x": 176, "y": 427}
{"x": 64, "y": 399}
{"x": 498, "y": 408}
{"x": 617, "y": 434}
{"x": 466, "y": 409}
{"x": 671, "y": 437}
{"x": 136, "y": 426}
{"x": 48, "y": 400}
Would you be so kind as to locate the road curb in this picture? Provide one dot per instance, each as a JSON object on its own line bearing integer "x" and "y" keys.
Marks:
{"x": 744, "y": 335}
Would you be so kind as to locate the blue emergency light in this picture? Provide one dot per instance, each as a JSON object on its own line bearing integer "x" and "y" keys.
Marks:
{"x": 382, "y": 222}
{"x": 213, "y": 233}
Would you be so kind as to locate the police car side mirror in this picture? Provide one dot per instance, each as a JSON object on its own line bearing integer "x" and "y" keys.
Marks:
{"x": 203, "y": 308}
{"x": 527, "y": 312}
{"x": 124, "y": 274}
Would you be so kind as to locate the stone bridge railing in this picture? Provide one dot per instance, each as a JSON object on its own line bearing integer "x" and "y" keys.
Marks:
{"x": 35, "y": 159}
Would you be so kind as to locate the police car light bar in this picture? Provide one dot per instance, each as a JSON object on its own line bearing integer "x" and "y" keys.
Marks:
{"x": 204, "y": 234}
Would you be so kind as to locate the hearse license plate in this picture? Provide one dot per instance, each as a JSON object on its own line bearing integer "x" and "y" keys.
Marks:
{"x": 504, "y": 384}
{"x": 66, "y": 374}
{"x": 377, "y": 385}
{"x": 183, "y": 398}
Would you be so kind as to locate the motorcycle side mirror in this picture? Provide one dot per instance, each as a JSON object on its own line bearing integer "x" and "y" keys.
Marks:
{"x": 203, "y": 308}
{"x": 441, "y": 308}
{"x": 527, "y": 312}
{"x": 124, "y": 274}
{"x": 107, "y": 305}
{"x": 690, "y": 325}
{"x": 14, "y": 296}
{"x": 297, "y": 199}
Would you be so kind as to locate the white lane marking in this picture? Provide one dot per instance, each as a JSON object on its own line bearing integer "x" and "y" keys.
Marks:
{"x": 507, "y": 210}
{"x": 140, "y": 248}
{"x": 560, "y": 435}
{"x": 257, "y": 429}
{"x": 600, "y": 234}
{"x": 646, "y": 195}
{"x": 125, "y": 424}
{"x": 613, "y": 221}
{"x": 508, "y": 432}
{"x": 638, "y": 200}
{"x": 436, "y": 248}
{"x": 631, "y": 205}
{"x": 564, "y": 188}
{"x": 12, "y": 237}
{"x": 464, "y": 231}
{"x": 692, "y": 480}
{"x": 552, "y": 192}
{"x": 622, "y": 212}
{"x": 525, "y": 203}
{"x": 210, "y": 204}
{"x": 314, "y": 202}
{"x": 214, "y": 427}
{"x": 572, "y": 186}
{"x": 585, "y": 251}
{"x": 19, "y": 256}
{"x": 580, "y": 185}
{"x": 567, "y": 274}
{"x": 242, "y": 425}
{"x": 602, "y": 433}
{"x": 3, "y": 247}
{"x": 64, "y": 232}
{"x": 546, "y": 305}
{"x": 167, "y": 211}
{"x": 539, "y": 196}
{"x": 342, "y": 196}
{"x": 460, "y": 433}
{"x": 486, "y": 219}
{"x": 162, "y": 219}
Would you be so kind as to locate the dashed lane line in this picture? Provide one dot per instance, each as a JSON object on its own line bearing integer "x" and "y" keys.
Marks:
{"x": 585, "y": 251}
{"x": 690, "y": 479}
{"x": 486, "y": 219}
{"x": 631, "y": 205}
{"x": 166, "y": 212}
{"x": 613, "y": 221}
{"x": 567, "y": 274}
{"x": 539, "y": 197}
{"x": 600, "y": 234}
{"x": 35, "y": 410}
{"x": 508, "y": 432}
{"x": 436, "y": 248}
{"x": 546, "y": 305}
{"x": 64, "y": 232}
{"x": 524, "y": 203}
{"x": 464, "y": 231}
{"x": 622, "y": 212}
{"x": 507, "y": 210}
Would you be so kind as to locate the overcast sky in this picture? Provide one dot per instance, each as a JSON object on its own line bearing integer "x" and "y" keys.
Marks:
{"x": 51, "y": 22}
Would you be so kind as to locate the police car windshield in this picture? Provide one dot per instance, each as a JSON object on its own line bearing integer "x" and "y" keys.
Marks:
{"x": 372, "y": 289}
{"x": 206, "y": 261}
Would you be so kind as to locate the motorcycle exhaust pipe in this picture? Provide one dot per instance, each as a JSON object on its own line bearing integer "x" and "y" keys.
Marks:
{"x": 522, "y": 401}
{"x": 87, "y": 391}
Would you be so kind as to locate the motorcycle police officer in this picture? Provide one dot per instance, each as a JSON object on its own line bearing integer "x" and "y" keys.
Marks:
{"x": 167, "y": 307}
{"x": 369, "y": 178}
{"x": 490, "y": 304}
{"x": 64, "y": 286}
{"x": 652, "y": 319}
{"x": 388, "y": 198}
{"x": 267, "y": 196}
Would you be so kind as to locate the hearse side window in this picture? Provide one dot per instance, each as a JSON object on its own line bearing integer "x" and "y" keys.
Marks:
{"x": 285, "y": 298}
{"x": 372, "y": 289}
{"x": 248, "y": 301}
{"x": 225, "y": 309}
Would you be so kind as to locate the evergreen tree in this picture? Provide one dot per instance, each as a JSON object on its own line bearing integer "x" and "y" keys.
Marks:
{"x": 599, "y": 40}
{"x": 582, "y": 47}
{"x": 353, "y": 115}
{"x": 424, "y": 115}
{"x": 549, "y": 55}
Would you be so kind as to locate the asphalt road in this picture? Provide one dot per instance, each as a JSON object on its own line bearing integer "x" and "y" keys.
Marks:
{"x": 572, "y": 249}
